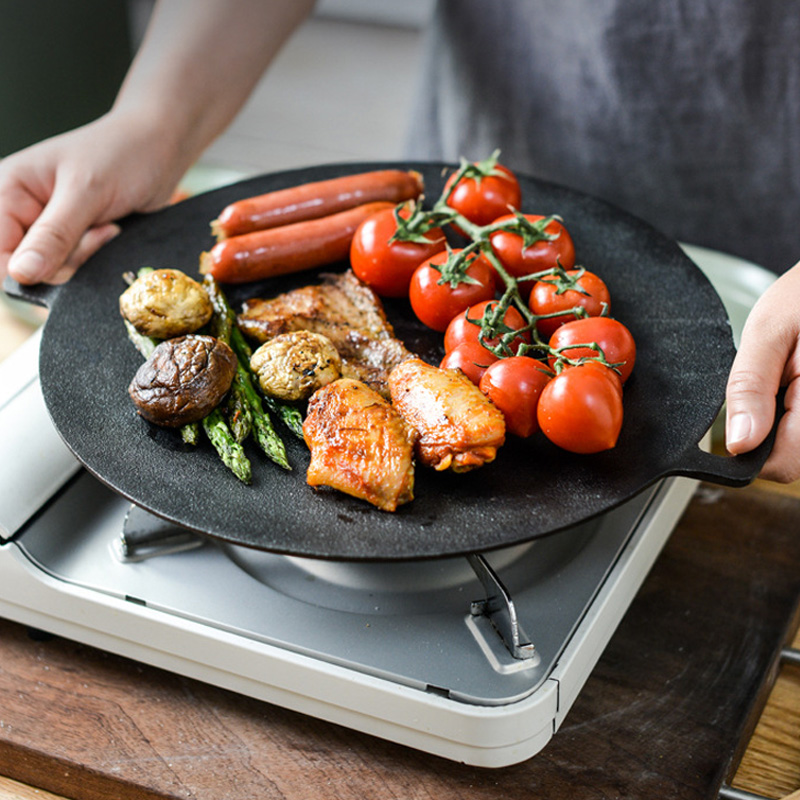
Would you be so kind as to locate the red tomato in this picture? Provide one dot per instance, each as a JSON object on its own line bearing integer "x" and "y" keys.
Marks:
{"x": 545, "y": 254}
{"x": 514, "y": 385}
{"x": 601, "y": 369}
{"x": 471, "y": 358}
{"x": 462, "y": 329}
{"x": 436, "y": 300}
{"x": 610, "y": 335}
{"x": 485, "y": 197}
{"x": 384, "y": 265}
{"x": 580, "y": 410}
{"x": 552, "y": 294}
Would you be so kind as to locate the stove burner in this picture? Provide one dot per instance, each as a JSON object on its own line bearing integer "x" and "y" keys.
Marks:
{"x": 397, "y": 588}
{"x": 450, "y": 585}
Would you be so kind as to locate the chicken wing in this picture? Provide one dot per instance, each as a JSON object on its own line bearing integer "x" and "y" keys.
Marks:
{"x": 359, "y": 445}
{"x": 459, "y": 427}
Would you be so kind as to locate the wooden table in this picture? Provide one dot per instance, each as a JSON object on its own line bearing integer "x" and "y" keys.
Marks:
{"x": 664, "y": 715}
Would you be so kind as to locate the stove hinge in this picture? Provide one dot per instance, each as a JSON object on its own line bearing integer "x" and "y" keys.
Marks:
{"x": 498, "y": 606}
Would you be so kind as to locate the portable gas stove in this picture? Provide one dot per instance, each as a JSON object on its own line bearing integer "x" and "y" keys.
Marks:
{"x": 477, "y": 658}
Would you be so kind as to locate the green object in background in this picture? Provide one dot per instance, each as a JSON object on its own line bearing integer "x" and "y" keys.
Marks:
{"x": 61, "y": 64}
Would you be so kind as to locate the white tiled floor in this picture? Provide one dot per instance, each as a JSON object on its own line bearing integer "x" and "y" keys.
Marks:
{"x": 339, "y": 91}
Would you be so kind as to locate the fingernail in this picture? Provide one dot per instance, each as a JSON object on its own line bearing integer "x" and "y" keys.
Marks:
{"x": 738, "y": 428}
{"x": 27, "y": 266}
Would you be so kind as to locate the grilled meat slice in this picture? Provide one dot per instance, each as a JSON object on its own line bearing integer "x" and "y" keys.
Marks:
{"x": 459, "y": 427}
{"x": 359, "y": 445}
{"x": 344, "y": 310}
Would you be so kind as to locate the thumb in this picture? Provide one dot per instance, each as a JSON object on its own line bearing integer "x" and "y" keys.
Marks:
{"x": 752, "y": 387}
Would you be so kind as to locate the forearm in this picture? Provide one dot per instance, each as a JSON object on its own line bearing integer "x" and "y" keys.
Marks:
{"x": 199, "y": 62}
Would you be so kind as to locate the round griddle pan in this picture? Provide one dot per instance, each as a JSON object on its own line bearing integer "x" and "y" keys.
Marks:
{"x": 685, "y": 349}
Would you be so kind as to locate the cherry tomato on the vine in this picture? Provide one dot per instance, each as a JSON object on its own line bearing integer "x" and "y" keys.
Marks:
{"x": 580, "y": 410}
{"x": 466, "y": 326}
{"x": 387, "y": 266}
{"x": 554, "y": 248}
{"x": 613, "y": 338}
{"x": 515, "y": 385}
{"x": 437, "y": 296}
{"x": 484, "y": 197}
{"x": 553, "y": 294}
{"x": 471, "y": 358}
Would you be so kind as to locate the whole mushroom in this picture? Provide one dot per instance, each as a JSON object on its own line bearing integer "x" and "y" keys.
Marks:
{"x": 183, "y": 380}
{"x": 292, "y": 366}
{"x": 165, "y": 303}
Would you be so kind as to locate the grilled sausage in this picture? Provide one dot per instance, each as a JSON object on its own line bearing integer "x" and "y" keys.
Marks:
{"x": 314, "y": 200}
{"x": 290, "y": 248}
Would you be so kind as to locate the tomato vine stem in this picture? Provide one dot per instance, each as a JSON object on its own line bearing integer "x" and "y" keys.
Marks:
{"x": 495, "y": 335}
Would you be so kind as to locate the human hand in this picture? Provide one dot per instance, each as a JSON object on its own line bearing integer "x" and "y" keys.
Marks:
{"x": 59, "y": 198}
{"x": 768, "y": 358}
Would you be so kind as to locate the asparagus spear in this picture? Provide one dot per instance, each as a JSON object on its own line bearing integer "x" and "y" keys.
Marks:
{"x": 238, "y": 411}
{"x": 144, "y": 344}
{"x": 223, "y": 327}
{"x": 230, "y": 451}
{"x": 220, "y": 436}
{"x": 190, "y": 433}
{"x": 265, "y": 434}
{"x": 288, "y": 414}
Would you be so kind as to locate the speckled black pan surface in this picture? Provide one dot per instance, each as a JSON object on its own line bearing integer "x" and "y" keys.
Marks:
{"x": 685, "y": 349}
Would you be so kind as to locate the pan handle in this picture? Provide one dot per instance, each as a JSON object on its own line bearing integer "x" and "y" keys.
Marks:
{"x": 736, "y": 471}
{"x": 38, "y": 294}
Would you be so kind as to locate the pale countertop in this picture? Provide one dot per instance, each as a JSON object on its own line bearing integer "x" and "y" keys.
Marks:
{"x": 15, "y": 327}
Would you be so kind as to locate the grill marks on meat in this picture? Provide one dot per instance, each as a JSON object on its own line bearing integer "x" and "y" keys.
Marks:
{"x": 344, "y": 310}
{"x": 359, "y": 445}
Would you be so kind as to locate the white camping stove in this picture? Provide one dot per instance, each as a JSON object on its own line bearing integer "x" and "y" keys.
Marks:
{"x": 476, "y": 659}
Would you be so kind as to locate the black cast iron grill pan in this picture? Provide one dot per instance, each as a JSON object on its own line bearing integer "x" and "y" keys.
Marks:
{"x": 685, "y": 349}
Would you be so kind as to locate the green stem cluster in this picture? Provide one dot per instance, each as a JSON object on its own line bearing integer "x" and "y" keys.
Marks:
{"x": 495, "y": 336}
{"x": 244, "y": 399}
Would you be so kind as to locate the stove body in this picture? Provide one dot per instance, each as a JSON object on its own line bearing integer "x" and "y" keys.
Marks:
{"x": 475, "y": 659}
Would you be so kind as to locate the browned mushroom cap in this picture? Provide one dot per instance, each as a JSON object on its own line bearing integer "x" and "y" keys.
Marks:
{"x": 183, "y": 380}
{"x": 166, "y": 303}
{"x": 293, "y": 365}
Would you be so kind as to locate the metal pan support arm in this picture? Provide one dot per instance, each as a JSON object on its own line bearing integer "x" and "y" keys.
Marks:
{"x": 499, "y": 607}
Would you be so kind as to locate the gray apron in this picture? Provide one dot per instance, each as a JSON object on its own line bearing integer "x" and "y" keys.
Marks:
{"x": 684, "y": 112}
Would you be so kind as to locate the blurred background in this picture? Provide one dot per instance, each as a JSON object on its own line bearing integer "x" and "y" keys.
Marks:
{"x": 342, "y": 89}
{"x": 62, "y": 61}
{"x": 61, "y": 64}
